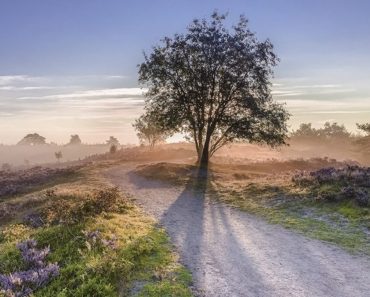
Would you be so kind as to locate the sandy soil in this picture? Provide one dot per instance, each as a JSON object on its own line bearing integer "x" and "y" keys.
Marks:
{"x": 232, "y": 253}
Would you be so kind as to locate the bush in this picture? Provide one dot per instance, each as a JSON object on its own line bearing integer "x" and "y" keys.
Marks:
{"x": 350, "y": 182}
{"x": 70, "y": 210}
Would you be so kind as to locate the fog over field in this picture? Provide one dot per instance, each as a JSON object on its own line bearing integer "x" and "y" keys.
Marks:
{"x": 41, "y": 154}
{"x": 184, "y": 148}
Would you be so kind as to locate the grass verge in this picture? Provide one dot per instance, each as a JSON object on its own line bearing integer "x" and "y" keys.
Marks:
{"x": 103, "y": 244}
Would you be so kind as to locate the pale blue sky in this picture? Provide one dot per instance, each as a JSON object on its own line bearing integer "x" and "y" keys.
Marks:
{"x": 70, "y": 66}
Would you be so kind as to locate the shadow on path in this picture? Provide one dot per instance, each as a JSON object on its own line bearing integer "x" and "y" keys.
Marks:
{"x": 232, "y": 253}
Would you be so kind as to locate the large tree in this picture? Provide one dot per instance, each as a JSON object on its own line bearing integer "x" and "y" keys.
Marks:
{"x": 213, "y": 84}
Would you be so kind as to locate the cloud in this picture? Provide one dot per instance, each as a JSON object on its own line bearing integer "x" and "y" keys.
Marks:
{"x": 91, "y": 94}
{"x": 285, "y": 93}
{"x": 11, "y": 79}
{"x": 26, "y": 82}
{"x": 284, "y": 90}
{"x": 341, "y": 111}
{"x": 14, "y": 88}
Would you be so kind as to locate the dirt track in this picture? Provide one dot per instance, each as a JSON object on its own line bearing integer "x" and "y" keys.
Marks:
{"x": 232, "y": 253}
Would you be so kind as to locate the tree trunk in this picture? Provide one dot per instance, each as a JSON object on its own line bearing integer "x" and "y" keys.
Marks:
{"x": 204, "y": 159}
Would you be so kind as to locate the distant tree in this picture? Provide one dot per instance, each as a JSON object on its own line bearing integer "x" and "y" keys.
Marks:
{"x": 149, "y": 131}
{"x": 363, "y": 143}
{"x": 75, "y": 140}
{"x": 213, "y": 85}
{"x": 334, "y": 131}
{"x": 305, "y": 130}
{"x": 330, "y": 131}
{"x": 364, "y": 128}
{"x": 113, "y": 141}
{"x": 113, "y": 148}
{"x": 32, "y": 139}
{"x": 58, "y": 155}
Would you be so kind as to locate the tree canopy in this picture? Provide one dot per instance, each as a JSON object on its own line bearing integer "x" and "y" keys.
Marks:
{"x": 363, "y": 143}
{"x": 330, "y": 131}
{"x": 32, "y": 139}
{"x": 112, "y": 141}
{"x": 364, "y": 128}
{"x": 75, "y": 140}
{"x": 149, "y": 131}
{"x": 213, "y": 85}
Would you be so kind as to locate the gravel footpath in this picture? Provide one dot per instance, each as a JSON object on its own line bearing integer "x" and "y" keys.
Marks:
{"x": 232, "y": 253}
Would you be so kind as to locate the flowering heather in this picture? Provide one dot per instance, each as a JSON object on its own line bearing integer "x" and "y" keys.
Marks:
{"x": 34, "y": 220}
{"x": 31, "y": 255}
{"x": 351, "y": 174}
{"x": 38, "y": 274}
{"x": 110, "y": 243}
{"x": 352, "y": 180}
{"x": 15, "y": 182}
{"x": 95, "y": 236}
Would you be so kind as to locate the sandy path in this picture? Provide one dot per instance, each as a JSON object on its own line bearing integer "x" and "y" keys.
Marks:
{"x": 232, "y": 253}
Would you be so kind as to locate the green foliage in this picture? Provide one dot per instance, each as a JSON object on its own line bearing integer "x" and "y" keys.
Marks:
{"x": 149, "y": 130}
{"x": 10, "y": 258}
{"x": 89, "y": 267}
{"x": 67, "y": 210}
{"x": 165, "y": 289}
{"x": 328, "y": 192}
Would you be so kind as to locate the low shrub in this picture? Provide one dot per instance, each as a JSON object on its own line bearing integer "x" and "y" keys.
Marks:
{"x": 334, "y": 184}
{"x": 20, "y": 181}
{"x": 70, "y": 210}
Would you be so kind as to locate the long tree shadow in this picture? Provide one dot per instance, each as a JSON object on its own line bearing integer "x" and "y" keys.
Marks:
{"x": 207, "y": 243}
{"x": 229, "y": 252}
{"x": 184, "y": 217}
{"x": 255, "y": 258}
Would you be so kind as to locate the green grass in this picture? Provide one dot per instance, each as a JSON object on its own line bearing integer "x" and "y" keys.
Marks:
{"x": 342, "y": 222}
{"x": 143, "y": 252}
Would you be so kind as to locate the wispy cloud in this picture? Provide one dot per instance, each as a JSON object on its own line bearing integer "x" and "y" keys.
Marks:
{"x": 101, "y": 93}
{"x": 91, "y": 104}
{"x": 290, "y": 90}
{"x": 11, "y": 79}
{"x": 32, "y": 88}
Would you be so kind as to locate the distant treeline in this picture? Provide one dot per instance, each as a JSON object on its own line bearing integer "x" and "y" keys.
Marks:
{"x": 329, "y": 131}
{"x": 36, "y": 139}
{"x": 333, "y": 133}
